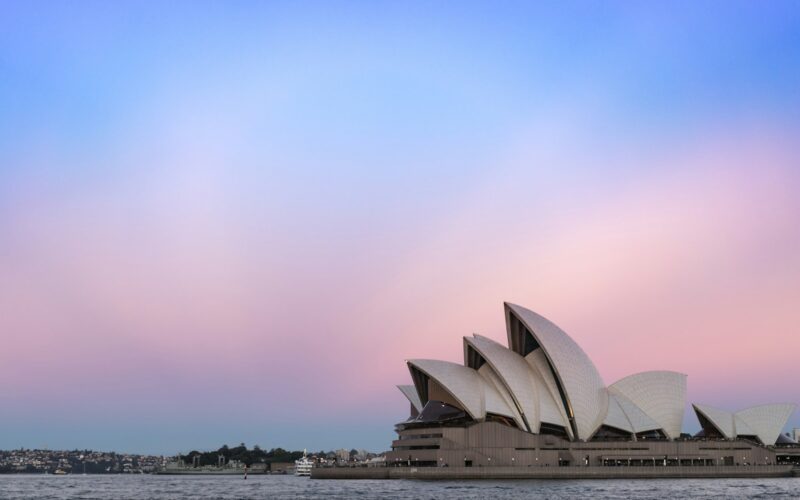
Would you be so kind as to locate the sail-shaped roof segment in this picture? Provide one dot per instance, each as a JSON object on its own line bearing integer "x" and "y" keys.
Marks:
{"x": 721, "y": 420}
{"x": 498, "y": 400}
{"x": 624, "y": 415}
{"x": 766, "y": 421}
{"x": 467, "y": 388}
{"x": 515, "y": 375}
{"x": 461, "y": 383}
{"x": 741, "y": 427}
{"x": 616, "y": 416}
{"x": 659, "y": 394}
{"x": 581, "y": 389}
{"x": 550, "y": 411}
{"x": 640, "y": 421}
{"x": 475, "y": 360}
{"x": 410, "y": 392}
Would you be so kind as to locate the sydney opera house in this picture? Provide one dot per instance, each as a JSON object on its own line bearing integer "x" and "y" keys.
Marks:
{"x": 540, "y": 402}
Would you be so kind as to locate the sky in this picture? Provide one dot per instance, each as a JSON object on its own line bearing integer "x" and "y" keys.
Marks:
{"x": 226, "y": 222}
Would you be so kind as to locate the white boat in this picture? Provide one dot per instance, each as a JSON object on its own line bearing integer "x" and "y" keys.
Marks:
{"x": 302, "y": 467}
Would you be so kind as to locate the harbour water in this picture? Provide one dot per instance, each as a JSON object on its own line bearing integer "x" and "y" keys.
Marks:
{"x": 291, "y": 487}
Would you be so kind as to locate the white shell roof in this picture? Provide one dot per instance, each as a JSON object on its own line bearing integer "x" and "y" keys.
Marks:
{"x": 515, "y": 375}
{"x": 659, "y": 394}
{"x": 766, "y": 420}
{"x": 616, "y": 417}
{"x": 550, "y": 411}
{"x": 741, "y": 427}
{"x": 498, "y": 401}
{"x": 721, "y": 419}
{"x": 640, "y": 421}
{"x": 586, "y": 394}
{"x": 474, "y": 394}
{"x": 410, "y": 392}
{"x": 529, "y": 389}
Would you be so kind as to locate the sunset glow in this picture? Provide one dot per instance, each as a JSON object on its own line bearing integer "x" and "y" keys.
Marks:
{"x": 220, "y": 224}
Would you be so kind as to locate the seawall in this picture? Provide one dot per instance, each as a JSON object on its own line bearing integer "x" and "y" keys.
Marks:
{"x": 433, "y": 473}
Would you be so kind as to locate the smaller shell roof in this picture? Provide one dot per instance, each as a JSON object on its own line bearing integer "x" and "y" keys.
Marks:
{"x": 616, "y": 417}
{"x": 410, "y": 392}
{"x": 764, "y": 421}
{"x": 661, "y": 395}
{"x": 461, "y": 382}
{"x": 742, "y": 428}
{"x": 640, "y": 421}
{"x": 721, "y": 419}
{"x": 514, "y": 373}
{"x": 626, "y": 416}
{"x": 496, "y": 397}
{"x": 767, "y": 421}
{"x": 475, "y": 395}
{"x": 550, "y": 411}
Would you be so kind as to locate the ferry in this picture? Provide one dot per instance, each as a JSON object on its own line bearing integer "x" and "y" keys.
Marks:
{"x": 302, "y": 467}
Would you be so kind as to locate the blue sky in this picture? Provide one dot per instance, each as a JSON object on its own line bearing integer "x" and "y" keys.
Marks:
{"x": 280, "y": 174}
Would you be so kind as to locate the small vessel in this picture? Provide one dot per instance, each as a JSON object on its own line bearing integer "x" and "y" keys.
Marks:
{"x": 60, "y": 472}
{"x": 302, "y": 467}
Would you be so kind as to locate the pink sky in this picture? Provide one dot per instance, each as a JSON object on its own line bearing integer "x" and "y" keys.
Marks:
{"x": 235, "y": 224}
{"x": 163, "y": 307}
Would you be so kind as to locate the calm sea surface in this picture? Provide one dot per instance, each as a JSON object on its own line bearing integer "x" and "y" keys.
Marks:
{"x": 182, "y": 487}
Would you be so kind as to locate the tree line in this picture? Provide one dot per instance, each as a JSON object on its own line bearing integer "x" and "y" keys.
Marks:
{"x": 242, "y": 454}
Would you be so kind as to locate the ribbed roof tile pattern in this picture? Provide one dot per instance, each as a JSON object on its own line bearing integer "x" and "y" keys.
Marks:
{"x": 490, "y": 376}
{"x": 515, "y": 375}
{"x": 639, "y": 420}
{"x": 550, "y": 411}
{"x": 764, "y": 421}
{"x": 616, "y": 417}
{"x": 585, "y": 390}
{"x": 741, "y": 427}
{"x": 556, "y": 383}
{"x": 767, "y": 420}
{"x": 721, "y": 419}
{"x": 462, "y": 383}
{"x": 659, "y": 394}
{"x": 410, "y": 392}
{"x": 473, "y": 393}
